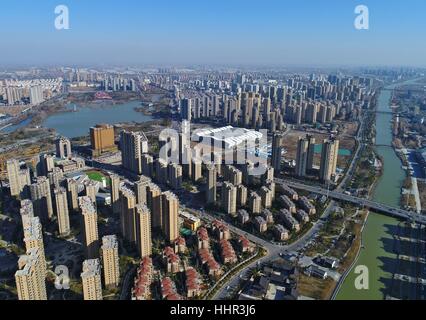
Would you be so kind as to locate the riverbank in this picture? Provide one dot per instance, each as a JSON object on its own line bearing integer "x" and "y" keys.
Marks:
{"x": 378, "y": 254}
{"x": 82, "y": 100}
{"x": 340, "y": 238}
{"x": 156, "y": 105}
{"x": 28, "y": 141}
{"x": 352, "y": 257}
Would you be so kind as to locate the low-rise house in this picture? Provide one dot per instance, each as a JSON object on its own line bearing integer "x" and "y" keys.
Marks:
{"x": 327, "y": 262}
{"x": 227, "y": 252}
{"x": 245, "y": 245}
{"x": 208, "y": 262}
{"x": 171, "y": 260}
{"x": 289, "y": 192}
{"x": 203, "y": 240}
{"x": 317, "y": 272}
{"x": 220, "y": 230}
{"x": 272, "y": 283}
{"x": 192, "y": 283}
{"x": 168, "y": 290}
{"x": 180, "y": 245}
{"x": 142, "y": 284}
{"x": 256, "y": 290}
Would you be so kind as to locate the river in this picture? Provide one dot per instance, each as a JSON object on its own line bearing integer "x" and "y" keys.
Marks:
{"x": 76, "y": 124}
{"x": 377, "y": 253}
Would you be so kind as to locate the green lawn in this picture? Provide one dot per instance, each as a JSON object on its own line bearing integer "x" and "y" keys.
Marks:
{"x": 97, "y": 176}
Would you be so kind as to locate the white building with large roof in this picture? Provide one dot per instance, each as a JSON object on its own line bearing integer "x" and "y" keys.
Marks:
{"x": 228, "y": 136}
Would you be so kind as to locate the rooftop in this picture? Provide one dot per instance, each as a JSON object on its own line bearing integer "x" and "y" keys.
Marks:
{"x": 203, "y": 234}
{"x": 109, "y": 242}
{"x": 170, "y": 195}
{"x": 27, "y": 262}
{"x": 188, "y": 216}
{"x": 33, "y": 229}
{"x": 91, "y": 268}
{"x": 86, "y": 205}
{"x": 229, "y": 135}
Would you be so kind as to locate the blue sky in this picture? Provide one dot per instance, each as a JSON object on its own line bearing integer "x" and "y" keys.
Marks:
{"x": 233, "y": 32}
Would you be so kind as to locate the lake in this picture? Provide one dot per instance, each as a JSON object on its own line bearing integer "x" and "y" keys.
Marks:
{"x": 77, "y": 124}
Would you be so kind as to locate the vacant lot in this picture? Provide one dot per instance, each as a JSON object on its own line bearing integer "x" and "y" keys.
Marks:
{"x": 291, "y": 139}
{"x": 318, "y": 289}
{"x": 348, "y": 128}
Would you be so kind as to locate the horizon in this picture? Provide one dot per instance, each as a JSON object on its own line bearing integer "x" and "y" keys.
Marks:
{"x": 212, "y": 67}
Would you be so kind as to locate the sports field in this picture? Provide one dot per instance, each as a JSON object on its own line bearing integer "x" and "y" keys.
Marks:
{"x": 97, "y": 176}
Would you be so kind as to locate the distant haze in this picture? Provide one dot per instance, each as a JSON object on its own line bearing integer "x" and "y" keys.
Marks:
{"x": 231, "y": 32}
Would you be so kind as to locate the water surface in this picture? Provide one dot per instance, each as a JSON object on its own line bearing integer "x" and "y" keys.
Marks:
{"x": 76, "y": 124}
{"x": 378, "y": 254}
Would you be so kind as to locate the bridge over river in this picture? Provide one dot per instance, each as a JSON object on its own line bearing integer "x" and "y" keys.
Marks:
{"x": 372, "y": 205}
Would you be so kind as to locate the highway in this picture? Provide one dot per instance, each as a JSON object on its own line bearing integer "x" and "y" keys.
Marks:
{"x": 372, "y": 205}
{"x": 355, "y": 158}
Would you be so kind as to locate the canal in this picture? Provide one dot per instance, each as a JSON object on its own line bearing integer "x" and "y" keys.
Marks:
{"x": 377, "y": 252}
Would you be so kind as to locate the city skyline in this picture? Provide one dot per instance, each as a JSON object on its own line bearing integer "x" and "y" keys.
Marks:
{"x": 306, "y": 33}
{"x": 268, "y": 160}
{"x": 213, "y": 150}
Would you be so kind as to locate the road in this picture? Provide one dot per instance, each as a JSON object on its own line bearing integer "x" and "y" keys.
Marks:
{"x": 355, "y": 158}
{"x": 415, "y": 192}
{"x": 127, "y": 283}
{"x": 273, "y": 250}
{"x": 375, "y": 206}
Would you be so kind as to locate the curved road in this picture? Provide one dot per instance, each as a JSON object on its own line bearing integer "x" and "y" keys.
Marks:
{"x": 273, "y": 250}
